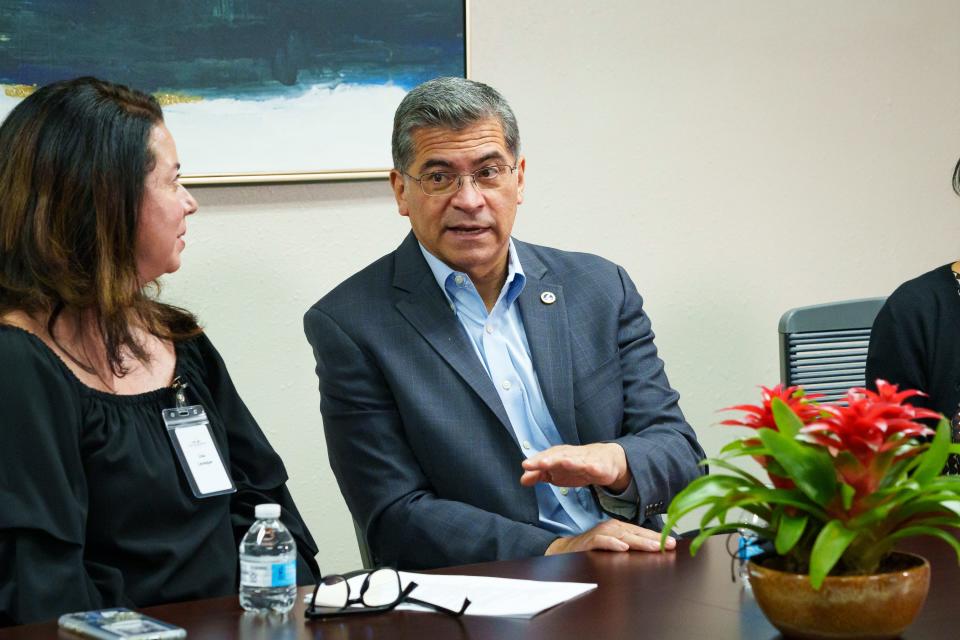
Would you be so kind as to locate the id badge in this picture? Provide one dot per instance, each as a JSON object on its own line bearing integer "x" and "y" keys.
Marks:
{"x": 200, "y": 459}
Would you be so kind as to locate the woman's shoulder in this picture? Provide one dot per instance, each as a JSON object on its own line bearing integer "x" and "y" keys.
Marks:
{"x": 928, "y": 300}
{"x": 196, "y": 346}
{"x": 23, "y": 351}
{"x": 36, "y": 381}
{"x": 198, "y": 353}
{"x": 936, "y": 283}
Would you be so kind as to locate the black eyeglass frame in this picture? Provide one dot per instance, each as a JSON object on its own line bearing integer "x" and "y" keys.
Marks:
{"x": 460, "y": 177}
{"x": 314, "y": 612}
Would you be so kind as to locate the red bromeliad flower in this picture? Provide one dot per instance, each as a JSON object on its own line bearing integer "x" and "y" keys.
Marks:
{"x": 863, "y": 437}
{"x": 761, "y": 416}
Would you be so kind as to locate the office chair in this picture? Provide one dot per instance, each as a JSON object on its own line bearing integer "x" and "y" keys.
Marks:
{"x": 823, "y": 347}
{"x": 365, "y": 556}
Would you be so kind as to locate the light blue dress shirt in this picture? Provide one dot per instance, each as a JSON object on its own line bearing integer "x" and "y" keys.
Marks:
{"x": 500, "y": 342}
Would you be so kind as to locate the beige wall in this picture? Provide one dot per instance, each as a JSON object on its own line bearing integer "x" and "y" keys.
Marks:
{"x": 739, "y": 158}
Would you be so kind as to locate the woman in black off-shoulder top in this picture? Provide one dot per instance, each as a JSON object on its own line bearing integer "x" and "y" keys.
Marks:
{"x": 95, "y": 508}
{"x": 915, "y": 341}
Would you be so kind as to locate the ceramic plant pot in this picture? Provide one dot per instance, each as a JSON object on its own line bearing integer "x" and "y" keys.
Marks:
{"x": 872, "y": 607}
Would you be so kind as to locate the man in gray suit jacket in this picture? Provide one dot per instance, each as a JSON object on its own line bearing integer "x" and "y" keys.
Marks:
{"x": 484, "y": 398}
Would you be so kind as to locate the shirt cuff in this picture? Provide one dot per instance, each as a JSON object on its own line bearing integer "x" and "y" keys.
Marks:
{"x": 623, "y": 505}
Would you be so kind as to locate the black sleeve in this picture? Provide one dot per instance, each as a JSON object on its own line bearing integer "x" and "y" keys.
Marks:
{"x": 43, "y": 491}
{"x": 898, "y": 351}
{"x": 255, "y": 467}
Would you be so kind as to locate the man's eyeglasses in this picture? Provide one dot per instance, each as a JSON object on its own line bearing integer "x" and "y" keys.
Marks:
{"x": 379, "y": 591}
{"x": 441, "y": 183}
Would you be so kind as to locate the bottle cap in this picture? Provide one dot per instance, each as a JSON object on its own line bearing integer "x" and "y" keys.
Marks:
{"x": 267, "y": 511}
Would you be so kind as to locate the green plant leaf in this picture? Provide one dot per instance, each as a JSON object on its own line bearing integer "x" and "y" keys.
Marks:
{"x": 809, "y": 467}
{"x": 790, "y": 498}
{"x": 939, "y": 508}
{"x": 717, "y": 512}
{"x": 707, "y": 533}
{"x": 705, "y": 490}
{"x": 735, "y": 501}
{"x": 833, "y": 540}
{"x": 933, "y": 459}
{"x": 881, "y": 507}
{"x": 789, "y": 532}
{"x": 735, "y": 447}
{"x": 847, "y": 494}
{"x": 787, "y": 421}
{"x": 952, "y": 506}
{"x": 932, "y": 520}
{"x": 897, "y": 472}
{"x": 948, "y": 484}
{"x": 911, "y": 532}
{"x": 723, "y": 464}
{"x": 773, "y": 467}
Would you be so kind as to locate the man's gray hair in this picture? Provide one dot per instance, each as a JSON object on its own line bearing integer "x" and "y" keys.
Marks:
{"x": 450, "y": 103}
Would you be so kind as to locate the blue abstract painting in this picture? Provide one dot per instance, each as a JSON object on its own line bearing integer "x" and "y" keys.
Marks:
{"x": 249, "y": 87}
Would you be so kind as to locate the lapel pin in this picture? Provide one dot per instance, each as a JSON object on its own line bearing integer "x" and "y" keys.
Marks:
{"x": 548, "y": 297}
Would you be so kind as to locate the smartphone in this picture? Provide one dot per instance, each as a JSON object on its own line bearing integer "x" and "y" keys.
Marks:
{"x": 109, "y": 624}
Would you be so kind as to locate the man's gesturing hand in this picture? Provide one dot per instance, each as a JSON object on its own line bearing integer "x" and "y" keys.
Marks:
{"x": 611, "y": 535}
{"x": 603, "y": 464}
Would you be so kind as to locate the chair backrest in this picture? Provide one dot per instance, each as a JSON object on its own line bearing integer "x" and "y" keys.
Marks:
{"x": 823, "y": 347}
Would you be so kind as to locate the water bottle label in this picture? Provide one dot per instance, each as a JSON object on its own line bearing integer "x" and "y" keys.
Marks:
{"x": 265, "y": 573}
{"x": 748, "y": 546}
{"x": 285, "y": 575}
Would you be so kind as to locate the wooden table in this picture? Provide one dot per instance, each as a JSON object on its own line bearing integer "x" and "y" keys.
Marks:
{"x": 640, "y": 596}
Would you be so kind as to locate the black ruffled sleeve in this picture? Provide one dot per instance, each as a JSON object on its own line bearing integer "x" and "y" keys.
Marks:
{"x": 43, "y": 489}
{"x": 900, "y": 342}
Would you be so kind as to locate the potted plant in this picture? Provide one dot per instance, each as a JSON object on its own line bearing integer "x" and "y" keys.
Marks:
{"x": 846, "y": 483}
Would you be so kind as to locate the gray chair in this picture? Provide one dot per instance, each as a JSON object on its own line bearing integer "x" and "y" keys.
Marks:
{"x": 365, "y": 556}
{"x": 824, "y": 347}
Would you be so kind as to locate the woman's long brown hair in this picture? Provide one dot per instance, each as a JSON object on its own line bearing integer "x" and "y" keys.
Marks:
{"x": 74, "y": 157}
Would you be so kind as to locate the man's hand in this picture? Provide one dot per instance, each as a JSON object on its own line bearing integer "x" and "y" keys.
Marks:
{"x": 611, "y": 535}
{"x": 603, "y": 464}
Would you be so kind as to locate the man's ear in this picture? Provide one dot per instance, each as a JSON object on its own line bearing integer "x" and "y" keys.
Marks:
{"x": 399, "y": 187}
{"x": 521, "y": 167}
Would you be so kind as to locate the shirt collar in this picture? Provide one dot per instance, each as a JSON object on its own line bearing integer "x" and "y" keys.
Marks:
{"x": 445, "y": 275}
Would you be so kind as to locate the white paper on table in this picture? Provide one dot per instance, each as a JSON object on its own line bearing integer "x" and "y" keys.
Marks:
{"x": 503, "y": 597}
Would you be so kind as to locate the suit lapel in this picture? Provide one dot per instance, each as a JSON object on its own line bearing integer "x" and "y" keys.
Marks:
{"x": 548, "y": 334}
{"x": 427, "y": 309}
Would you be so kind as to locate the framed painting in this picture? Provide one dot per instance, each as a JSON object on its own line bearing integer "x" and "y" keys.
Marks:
{"x": 253, "y": 90}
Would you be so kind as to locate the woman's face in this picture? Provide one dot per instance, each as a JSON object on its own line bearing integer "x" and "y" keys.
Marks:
{"x": 163, "y": 214}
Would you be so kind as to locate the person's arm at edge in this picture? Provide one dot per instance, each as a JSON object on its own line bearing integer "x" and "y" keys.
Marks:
{"x": 661, "y": 448}
{"x": 255, "y": 466}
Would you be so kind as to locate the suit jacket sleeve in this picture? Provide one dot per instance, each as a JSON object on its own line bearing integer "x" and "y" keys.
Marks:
{"x": 405, "y": 522}
{"x": 662, "y": 449}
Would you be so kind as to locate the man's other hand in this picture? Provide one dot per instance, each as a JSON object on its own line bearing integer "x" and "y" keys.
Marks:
{"x": 603, "y": 464}
{"x": 611, "y": 535}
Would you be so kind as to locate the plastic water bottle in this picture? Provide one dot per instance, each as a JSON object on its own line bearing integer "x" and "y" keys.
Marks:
{"x": 748, "y": 545}
{"x": 268, "y": 564}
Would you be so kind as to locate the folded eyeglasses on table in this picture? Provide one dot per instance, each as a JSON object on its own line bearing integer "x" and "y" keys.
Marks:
{"x": 379, "y": 591}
